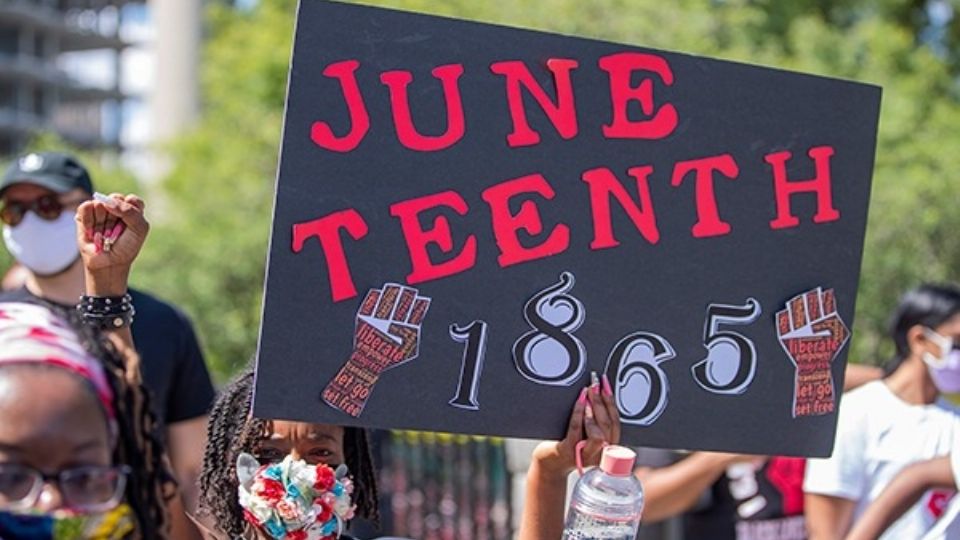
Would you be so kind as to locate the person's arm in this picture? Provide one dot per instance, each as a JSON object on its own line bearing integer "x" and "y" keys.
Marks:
{"x": 672, "y": 490}
{"x": 900, "y": 494}
{"x": 106, "y": 273}
{"x": 189, "y": 399}
{"x": 186, "y": 442}
{"x": 594, "y": 419}
{"x": 859, "y": 375}
{"x": 828, "y": 517}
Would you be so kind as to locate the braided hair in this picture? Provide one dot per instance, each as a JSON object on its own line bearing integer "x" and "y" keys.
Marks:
{"x": 152, "y": 484}
{"x": 232, "y": 430}
{"x": 133, "y": 427}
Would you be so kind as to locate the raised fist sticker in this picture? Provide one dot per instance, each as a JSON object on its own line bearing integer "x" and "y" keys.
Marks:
{"x": 812, "y": 334}
{"x": 387, "y": 334}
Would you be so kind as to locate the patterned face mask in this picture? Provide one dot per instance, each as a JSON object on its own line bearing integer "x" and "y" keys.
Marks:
{"x": 63, "y": 525}
{"x": 293, "y": 500}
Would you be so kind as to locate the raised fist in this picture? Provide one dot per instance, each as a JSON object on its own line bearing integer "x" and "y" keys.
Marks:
{"x": 812, "y": 334}
{"x": 387, "y": 334}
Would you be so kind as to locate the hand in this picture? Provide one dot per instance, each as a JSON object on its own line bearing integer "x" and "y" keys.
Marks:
{"x": 98, "y": 223}
{"x": 594, "y": 419}
{"x": 812, "y": 334}
{"x": 124, "y": 229}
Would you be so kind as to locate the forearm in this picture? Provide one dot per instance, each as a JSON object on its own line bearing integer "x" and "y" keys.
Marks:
{"x": 902, "y": 493}
{"x": 543, "y": 507}
{"x": 828, "y": 517}
{"x": 186, "y": 442}
{"x": 672, "y": 490}
{"x": 113, "y": 282}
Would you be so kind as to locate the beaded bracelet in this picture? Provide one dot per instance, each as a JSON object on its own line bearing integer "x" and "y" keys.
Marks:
{"x": 107, "y": 312}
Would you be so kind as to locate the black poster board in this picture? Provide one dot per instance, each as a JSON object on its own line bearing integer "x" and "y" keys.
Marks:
{"x": 470, "y": 218}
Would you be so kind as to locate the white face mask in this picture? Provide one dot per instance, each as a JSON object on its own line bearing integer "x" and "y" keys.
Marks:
{"x": 46, "y": 248}
{"x": 943, "y": 369}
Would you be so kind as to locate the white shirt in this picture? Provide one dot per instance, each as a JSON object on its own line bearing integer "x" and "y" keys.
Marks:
{"x": 948, "y": 528}
{"x": 877, "y": 435}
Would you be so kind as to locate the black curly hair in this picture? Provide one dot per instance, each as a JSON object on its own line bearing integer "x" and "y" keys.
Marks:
{"x": 232, "y": 430}
{"x": 151, "y": 484}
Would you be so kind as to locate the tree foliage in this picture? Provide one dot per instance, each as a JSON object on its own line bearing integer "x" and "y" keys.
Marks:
{"x": 208, "y": 248}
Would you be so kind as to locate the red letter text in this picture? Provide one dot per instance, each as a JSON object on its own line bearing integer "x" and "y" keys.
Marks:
{"x": 604, "y": 184}
{"x": 708, "y": 218}
{"x": 327, "y": 230}
{"x": 320, "y": 132}
{"x": 563, "y": 113}
{"x": 786, "y": 188}
{"x": 418, "y": 238}
{"x": 506, "y": 225}
{"x": 397, "y": 82}
{"x": 621, "y": 67}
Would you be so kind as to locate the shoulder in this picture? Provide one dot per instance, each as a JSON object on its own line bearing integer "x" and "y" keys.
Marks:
{"x": 18, "y": 295}
{"x": 861, "y": 401}
{"x": 157, "y": 311}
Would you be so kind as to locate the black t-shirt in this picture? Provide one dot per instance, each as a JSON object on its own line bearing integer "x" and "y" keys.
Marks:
{"x": 171, "y": 363}
{"x": 753, "y": 501}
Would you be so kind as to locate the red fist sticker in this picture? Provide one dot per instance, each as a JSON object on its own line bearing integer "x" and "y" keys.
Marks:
{"x": 812, "y": 334}
{"x": 387, "y": 335}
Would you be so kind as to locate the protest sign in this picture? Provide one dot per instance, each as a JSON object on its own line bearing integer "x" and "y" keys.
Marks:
{"x": 470, "y": 218}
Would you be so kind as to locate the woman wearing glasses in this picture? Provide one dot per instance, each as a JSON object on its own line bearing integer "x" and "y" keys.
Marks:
{"x": 78, "y": 454}
{"x": 886, "y": 425}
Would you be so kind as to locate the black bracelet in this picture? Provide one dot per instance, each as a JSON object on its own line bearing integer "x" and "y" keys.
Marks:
{"x": 107, "y": 312}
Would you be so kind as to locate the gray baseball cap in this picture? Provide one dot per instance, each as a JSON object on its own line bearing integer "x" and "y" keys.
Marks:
{"x": 55, "y": 171}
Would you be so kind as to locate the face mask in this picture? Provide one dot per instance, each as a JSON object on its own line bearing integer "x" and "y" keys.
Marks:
{"x": 46, "y": 248}
{"x": 61, "y": 525}
{"x": 945, "y": 369}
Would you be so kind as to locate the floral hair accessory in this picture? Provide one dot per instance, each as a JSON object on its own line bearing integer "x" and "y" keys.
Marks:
{"x": 292, "y": 500}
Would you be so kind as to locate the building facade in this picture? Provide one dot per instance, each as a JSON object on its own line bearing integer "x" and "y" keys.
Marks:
{"x": 43, "y": 84}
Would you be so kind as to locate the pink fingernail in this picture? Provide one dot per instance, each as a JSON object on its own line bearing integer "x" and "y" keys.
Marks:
{"x": 98, "y": 241}
{"x": 589, "y": 412}
{"x": 117, "y": 231}
{"x": 583, "y": 397}
{"x": 607, "y": 389}
{"x": 88, "y": 234}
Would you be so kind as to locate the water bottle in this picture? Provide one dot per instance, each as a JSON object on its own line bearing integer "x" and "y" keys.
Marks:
{"x": 607, "y": 500}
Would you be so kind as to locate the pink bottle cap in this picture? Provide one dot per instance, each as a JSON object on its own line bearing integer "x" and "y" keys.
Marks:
{"x": 618, "y": 461}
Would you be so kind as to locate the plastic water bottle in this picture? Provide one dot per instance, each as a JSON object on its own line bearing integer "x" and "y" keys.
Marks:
{"x": 607, "y": 500}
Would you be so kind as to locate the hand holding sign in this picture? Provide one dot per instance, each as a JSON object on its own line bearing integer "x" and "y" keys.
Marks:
{"x": 812, "y": 334}
{"x": 387, "y": 334}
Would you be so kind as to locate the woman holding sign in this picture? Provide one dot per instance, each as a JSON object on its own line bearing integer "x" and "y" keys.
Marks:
{"x": 888, "y": 424}
{"x": 255, "y": 458}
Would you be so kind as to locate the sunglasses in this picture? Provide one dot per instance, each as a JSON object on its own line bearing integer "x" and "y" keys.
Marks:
{"x": 48, "y": 207}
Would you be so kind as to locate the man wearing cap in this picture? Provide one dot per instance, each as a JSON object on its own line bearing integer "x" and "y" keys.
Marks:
{"x": 39, "y": 195}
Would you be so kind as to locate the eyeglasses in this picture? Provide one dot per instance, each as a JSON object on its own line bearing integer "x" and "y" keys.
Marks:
{"x": 48, "y": 207}
{"x": 87, "y": 489}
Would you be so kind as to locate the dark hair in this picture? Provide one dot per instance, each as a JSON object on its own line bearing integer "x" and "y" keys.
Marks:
{"x": 928, "y": 305}
{"x": 231, "y": 431}
{"x": 151, "y": 483}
